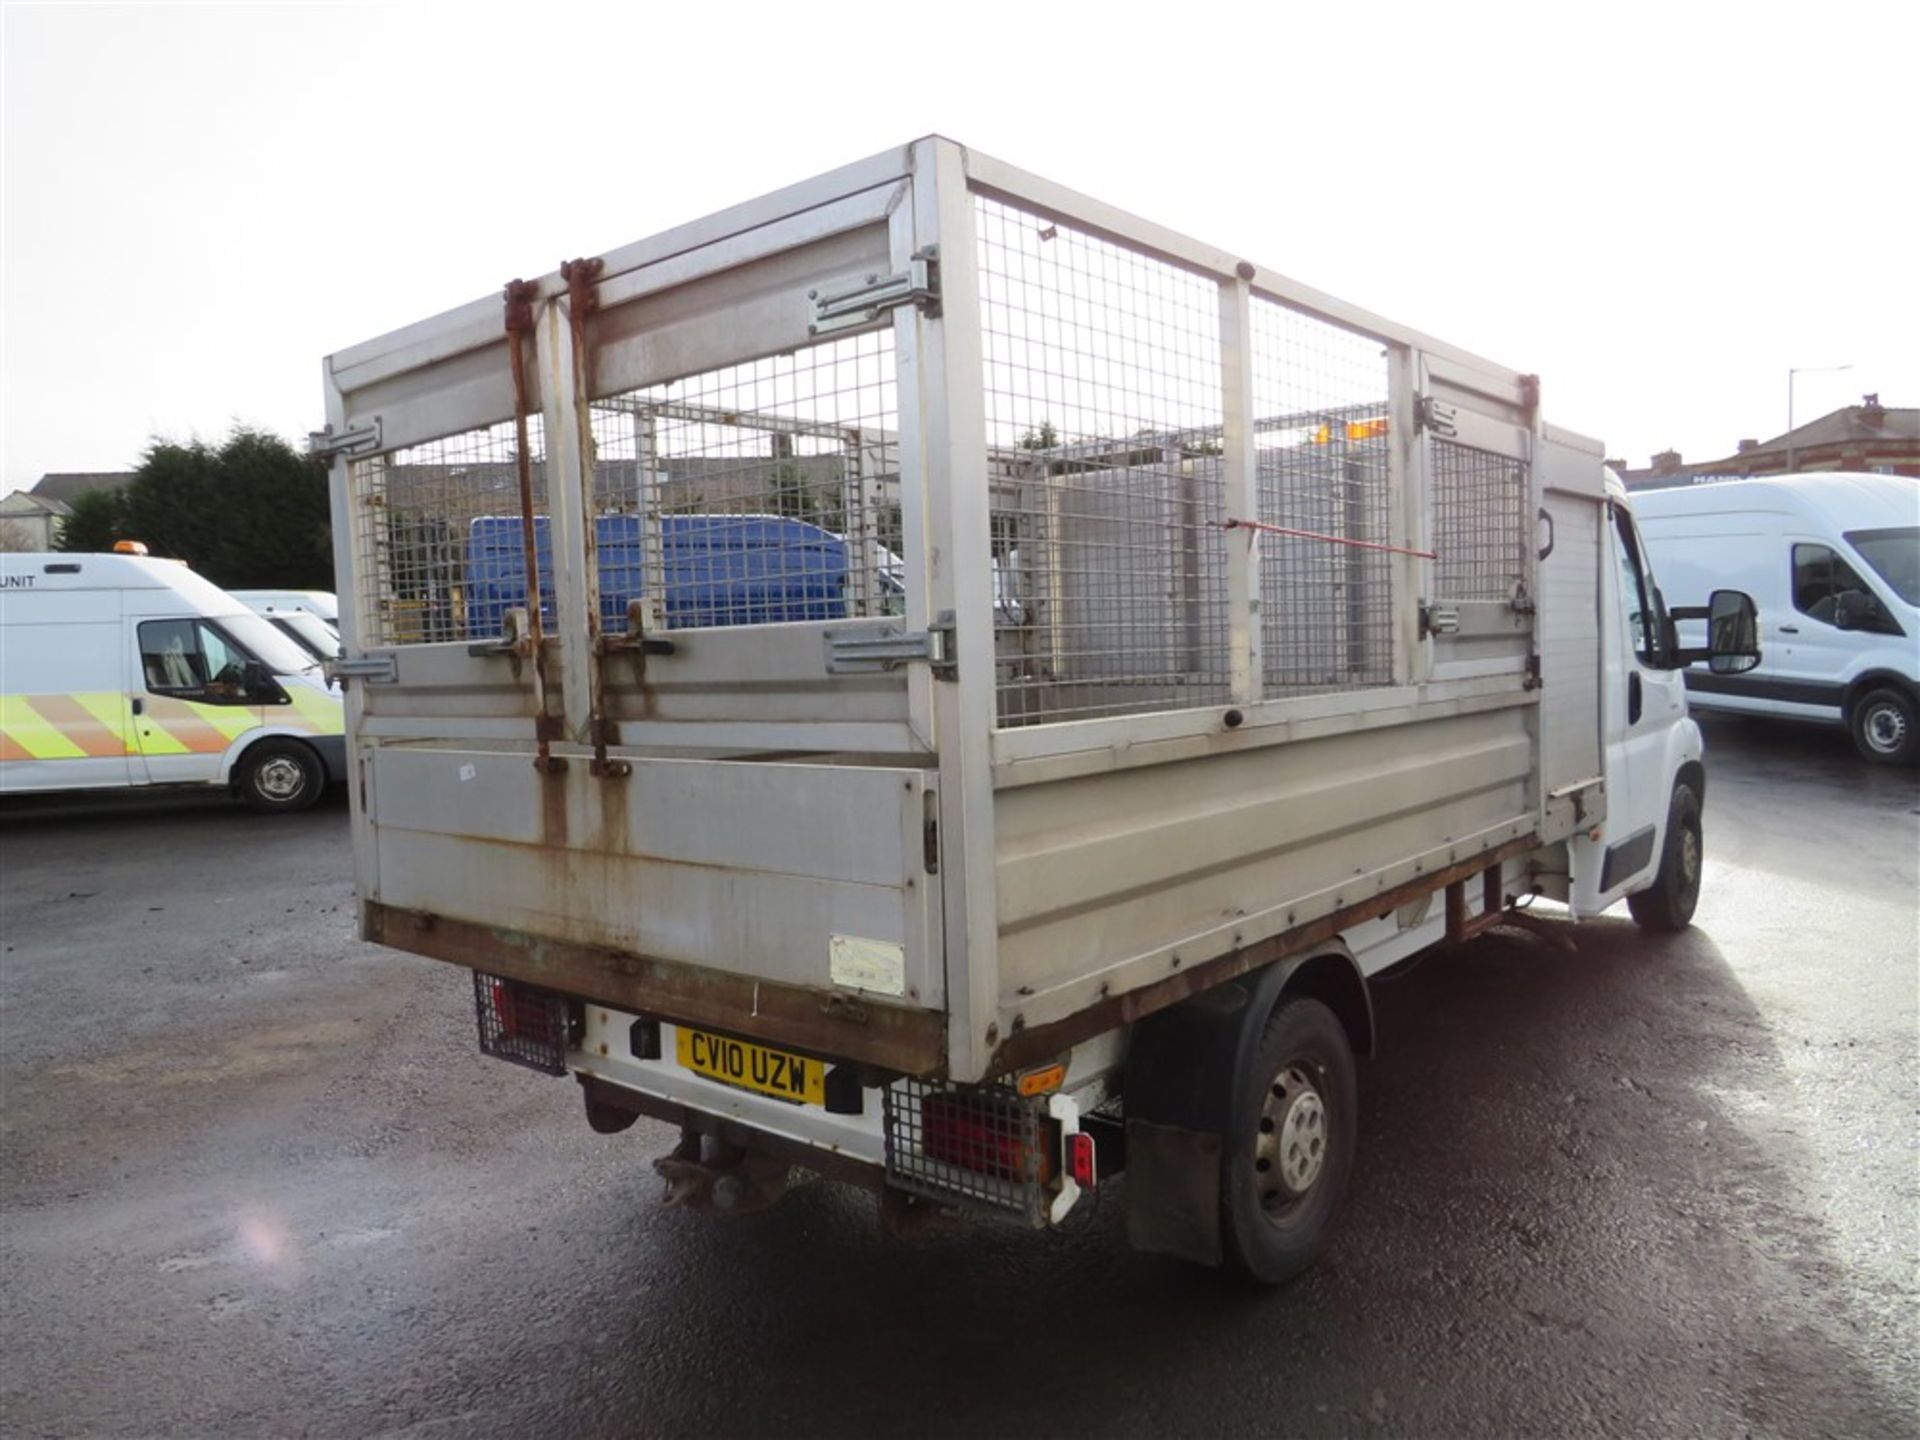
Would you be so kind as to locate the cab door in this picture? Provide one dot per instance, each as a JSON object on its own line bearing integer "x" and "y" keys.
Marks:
{"x": 1815, "y": 657}
{"x": 1645, "y": 699}
{"x": 188, "y": 698}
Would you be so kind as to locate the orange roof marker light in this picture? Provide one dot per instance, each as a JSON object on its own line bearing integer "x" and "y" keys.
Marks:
{"x": 129, "y": 547}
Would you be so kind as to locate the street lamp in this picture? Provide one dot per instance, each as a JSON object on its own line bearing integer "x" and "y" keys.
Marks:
{"x": 1803, "y": 370}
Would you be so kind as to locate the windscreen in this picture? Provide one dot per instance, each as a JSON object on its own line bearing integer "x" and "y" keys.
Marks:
{"x": 310, "y": 633}
{"x": 266, "y": 644}
{"x": 1895, "y": 557}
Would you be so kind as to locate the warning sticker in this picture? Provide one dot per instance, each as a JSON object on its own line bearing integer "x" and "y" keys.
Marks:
{"x": 876, "y": 965}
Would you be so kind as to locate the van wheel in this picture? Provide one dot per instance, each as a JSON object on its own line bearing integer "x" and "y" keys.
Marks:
{"x": 1885, "y": 730}
{"x": 1283, "y": 1175}
{"x": 1668, "y": 903}
{"x": 280, "y": 776}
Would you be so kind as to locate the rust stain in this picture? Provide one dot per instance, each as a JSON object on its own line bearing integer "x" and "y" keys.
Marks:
{"x": 896, "y": 1039}
{"x": 553, "y": 808}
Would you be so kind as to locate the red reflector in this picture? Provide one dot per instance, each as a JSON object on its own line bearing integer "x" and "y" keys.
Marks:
{"x": 973, "y": 1135}
{"x": 1080, "y": 1159}
{"x": 522, "y": 1016}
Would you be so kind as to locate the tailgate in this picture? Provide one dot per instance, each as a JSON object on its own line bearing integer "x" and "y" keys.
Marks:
{"x": 765, "y": 897}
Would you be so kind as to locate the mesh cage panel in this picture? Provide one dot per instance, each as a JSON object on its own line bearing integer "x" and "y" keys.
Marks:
{"x": 1320, "y": 432}
{"x": 1481, "y": 529}
{"x": 521, "y": 1024}
{"x": 1104, "y": 407}
{"x": 760, "y": 492}
{"x": 438, "y": 537}
{"x": 978, "y": 1145}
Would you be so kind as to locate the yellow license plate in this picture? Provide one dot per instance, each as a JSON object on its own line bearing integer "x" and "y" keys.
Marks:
{"x": 747, "y": 1066}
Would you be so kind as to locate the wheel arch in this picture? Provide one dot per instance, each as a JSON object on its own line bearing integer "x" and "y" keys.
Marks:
{"x": 1872, "y": 680}
{"x": 1183, "y": 1092}
{"x": 237, "y": 757}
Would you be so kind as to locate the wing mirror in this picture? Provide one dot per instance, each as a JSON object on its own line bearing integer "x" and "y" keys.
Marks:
{"x": 1854, "y": 610}
{"x": 259, "y": 683}
{"x": 1733, "y": 633}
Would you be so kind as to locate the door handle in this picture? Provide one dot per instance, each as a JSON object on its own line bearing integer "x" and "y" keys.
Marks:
{"x": 1633, "y": 698}
{"x": 1789, "y": 629}
{"x": 139, "y": 707}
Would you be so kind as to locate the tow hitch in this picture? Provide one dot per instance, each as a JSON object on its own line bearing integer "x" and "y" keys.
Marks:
{"x": 726, "y": 1179}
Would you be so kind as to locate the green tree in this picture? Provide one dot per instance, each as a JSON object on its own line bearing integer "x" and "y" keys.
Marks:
{"x": 98, "y": 519}
{"x": 251, "y": 512}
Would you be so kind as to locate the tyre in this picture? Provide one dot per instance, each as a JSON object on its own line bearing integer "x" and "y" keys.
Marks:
{"x": 1884, "y": 727}
{"x": 1283, "y": 1175}
{"x": 280, "y": 776}
{"x": 1668, "y": 903}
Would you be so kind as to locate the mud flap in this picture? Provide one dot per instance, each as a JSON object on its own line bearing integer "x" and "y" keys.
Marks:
{"x": 1183, "y": 1079}
{"x": 1173, "y": 1191}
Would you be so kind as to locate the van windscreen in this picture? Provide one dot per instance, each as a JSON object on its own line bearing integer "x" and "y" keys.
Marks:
{"x": 1895, "y": 557}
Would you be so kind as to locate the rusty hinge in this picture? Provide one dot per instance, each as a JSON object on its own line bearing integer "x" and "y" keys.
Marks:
{"x": 1435, "y": 415}
{"x": 888, "y": 647}
{"x": 849, "y": 303}
{"x": 354, "y": 440}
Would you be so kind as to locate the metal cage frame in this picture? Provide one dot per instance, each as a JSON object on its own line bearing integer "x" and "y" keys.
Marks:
{"x": 893, "y": 244}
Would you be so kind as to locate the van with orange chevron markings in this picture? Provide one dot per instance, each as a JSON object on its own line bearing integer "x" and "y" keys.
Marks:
{"x": 122, "y": 670}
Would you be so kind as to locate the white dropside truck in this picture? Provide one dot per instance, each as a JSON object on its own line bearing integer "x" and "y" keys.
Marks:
{"x": 1251, "y": 643}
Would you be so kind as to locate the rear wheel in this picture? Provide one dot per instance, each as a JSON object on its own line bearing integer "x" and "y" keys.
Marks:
{"x": 280, "y": 776}
{"x": 1283, "y": 1175}
{"x": 1668, "y": 903}
{"x": 1885, "y": 729}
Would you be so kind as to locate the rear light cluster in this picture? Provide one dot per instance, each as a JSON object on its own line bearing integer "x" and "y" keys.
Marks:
{"x": 985, "y": 1136}
{"x": 985, "y": 1145}
{"x": 522, "y": 1023}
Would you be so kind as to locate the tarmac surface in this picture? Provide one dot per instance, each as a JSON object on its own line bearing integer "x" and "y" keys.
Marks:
{"x": 255, "y": 1179}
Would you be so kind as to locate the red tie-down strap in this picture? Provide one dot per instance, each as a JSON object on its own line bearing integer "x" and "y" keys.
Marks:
{"x": 1262, "y": 526}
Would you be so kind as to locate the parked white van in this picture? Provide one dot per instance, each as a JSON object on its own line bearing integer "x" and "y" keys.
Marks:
{"x": 319, "y": 638}
{"x": 120, "y": 670}
{"x": 323, "y": 603}
{"x": 1833, "y": 564}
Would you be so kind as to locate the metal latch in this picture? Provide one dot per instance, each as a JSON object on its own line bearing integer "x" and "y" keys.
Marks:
{"x": 374, "y": 669}
{"x": 848, "y": 303}
{"x": 1439, "y": 620}
{"x": 1435, "y": 415}
{"x": 327, "y": 443}
{"x": 858, "y": 652}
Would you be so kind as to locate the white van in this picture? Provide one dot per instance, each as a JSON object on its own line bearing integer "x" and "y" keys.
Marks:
{"x": 123, "y": 670}
{"x": 1833, "y": 564}
{"x": 318, "y": 637}
{"x": 323, "y": 603}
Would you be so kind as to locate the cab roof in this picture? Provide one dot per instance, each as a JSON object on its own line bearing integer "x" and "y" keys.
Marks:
{"x": 45, "y": 570}
{"x": 1843, "y": 500}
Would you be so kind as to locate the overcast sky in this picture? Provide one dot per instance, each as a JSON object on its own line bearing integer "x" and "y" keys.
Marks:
{"x": 1659, "y": 209}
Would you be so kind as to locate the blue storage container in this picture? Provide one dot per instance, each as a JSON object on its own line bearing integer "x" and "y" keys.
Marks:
{"x": 719, "y": 570}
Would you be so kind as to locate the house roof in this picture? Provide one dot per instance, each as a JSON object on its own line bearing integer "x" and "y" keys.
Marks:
{"x": 1865, "y": 425}
{"x": 66, "y": 486}
{"x": 25, "y": 502}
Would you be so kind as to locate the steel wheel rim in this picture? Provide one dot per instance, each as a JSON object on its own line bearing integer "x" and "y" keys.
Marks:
{"x": 280, "y": 778}
{"x": 1290, "y": 1146}
{"x": 1689, "y": 854}
{"x": 1886, "y": 728}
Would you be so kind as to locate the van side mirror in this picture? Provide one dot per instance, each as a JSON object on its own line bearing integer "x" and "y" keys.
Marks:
{"x": 1854, "y": 610}
{"x": 1733, "y": 633}
{"x": 258, "y": 682}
